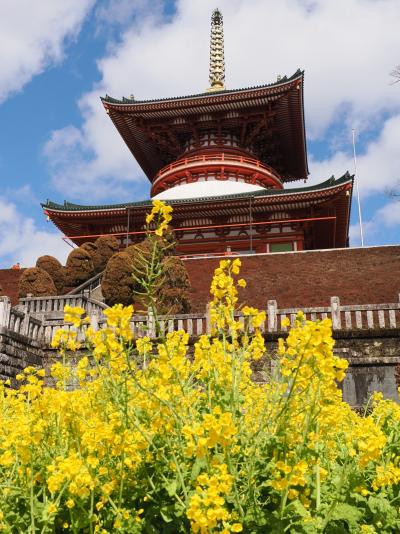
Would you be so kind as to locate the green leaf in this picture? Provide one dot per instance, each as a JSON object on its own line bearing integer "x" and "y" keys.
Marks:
{"x": 378, "y": 505}
{"x": 347, "y": 512}
{"x": 171, "y": 488}
{"x": 167, "y": 513}
{"x": 298, "y": 507}
{"x": 198, "y": 465}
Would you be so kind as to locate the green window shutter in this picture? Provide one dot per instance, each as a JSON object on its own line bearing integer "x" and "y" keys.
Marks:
{"x": 281, "y": 247}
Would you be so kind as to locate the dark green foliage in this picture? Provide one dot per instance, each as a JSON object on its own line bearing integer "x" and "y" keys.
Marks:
{"x": 79, "y": 267}
{"x": 36, "y": 282}
{"x": 54, "y": 268}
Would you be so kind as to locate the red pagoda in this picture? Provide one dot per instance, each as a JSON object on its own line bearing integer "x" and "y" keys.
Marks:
{"x": 221, "y": 159}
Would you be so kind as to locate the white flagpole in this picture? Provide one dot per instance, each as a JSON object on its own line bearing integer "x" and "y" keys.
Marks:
{"x": 357, "y": 189}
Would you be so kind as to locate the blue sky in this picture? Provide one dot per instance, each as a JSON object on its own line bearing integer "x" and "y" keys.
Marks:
{"x": 56, "y": 141}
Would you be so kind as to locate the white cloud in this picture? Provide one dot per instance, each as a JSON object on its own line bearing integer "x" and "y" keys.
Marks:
{"x": 22, "y": 241}
{"x": 384, "y": 222}
{"x": 33, "y": 36}
{"x": 121, "y": 12}
{"x": 347, "y": 47}
{"x": 378, "y": 173}
{"x": 378, "y": 165}
{"x": 390, "y": 214}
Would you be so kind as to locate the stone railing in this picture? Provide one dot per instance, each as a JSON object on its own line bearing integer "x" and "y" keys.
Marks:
{"x": 40, "y": 318}
{"x": 88, "y": 286}
{"x": 46, "y": 305}
{"x": 348, "y": 317}
{"x": 19, "y": 321}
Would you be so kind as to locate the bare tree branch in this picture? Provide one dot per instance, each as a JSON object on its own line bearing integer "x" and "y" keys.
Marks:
{"x": 394, "y": 191}
{"x": 395, "y": 73}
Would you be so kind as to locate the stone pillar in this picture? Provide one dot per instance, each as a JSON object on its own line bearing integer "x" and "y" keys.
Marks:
{"x": 335, "y": 312}
{"x": 208, "y": 320}
{"x": 25, "y": 324}
{"x": 272, "y": 316}
{"x": 5, "y": 310}
{"x": 151, "y": 325}
{"x": 94, "y": 320}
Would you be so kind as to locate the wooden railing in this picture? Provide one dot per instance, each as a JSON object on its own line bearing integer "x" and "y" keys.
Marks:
{"x": 220, "y": 157}
{"x": 41, "y": 318}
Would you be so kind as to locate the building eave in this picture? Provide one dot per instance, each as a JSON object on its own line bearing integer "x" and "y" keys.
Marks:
{"x": 326, "y": 186}
{"x": 129, "y": 103}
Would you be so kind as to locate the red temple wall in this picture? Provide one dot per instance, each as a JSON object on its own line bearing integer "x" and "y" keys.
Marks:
{"x": 293, "y": 279}
{"x": 309, "y": 278}
{"x": 9, "y": 279}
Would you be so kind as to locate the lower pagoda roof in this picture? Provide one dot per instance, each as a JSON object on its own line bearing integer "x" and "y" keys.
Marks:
{"x": 82, "y": 223}
{"x": 327, "y": 184}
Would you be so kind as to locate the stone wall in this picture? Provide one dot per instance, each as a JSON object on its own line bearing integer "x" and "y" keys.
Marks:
{"x": 16, "y": 353}
{"x": 374, "y": 362}
{"x": 369, "y": 275}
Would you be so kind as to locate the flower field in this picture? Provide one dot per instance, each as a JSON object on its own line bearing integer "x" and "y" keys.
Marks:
{"x": 155, "y": 438}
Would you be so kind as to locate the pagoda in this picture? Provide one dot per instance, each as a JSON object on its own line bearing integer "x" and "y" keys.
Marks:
{"x": 221, "y": 159}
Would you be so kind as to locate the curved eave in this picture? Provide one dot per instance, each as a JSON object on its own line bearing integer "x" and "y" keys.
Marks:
{"x": 144, "y": 105}
{"x": 330, "y": 185}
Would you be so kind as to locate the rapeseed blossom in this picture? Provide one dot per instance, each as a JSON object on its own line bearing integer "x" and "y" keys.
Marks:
{"x": 162, "y": 213}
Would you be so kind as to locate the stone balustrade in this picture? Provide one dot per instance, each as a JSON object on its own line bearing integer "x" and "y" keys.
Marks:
{"x": 46, "y": 305}
{"x": 39, "y": 318}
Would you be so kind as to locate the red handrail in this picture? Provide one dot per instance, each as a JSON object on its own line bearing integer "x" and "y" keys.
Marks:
{"x": 215, "y": 157}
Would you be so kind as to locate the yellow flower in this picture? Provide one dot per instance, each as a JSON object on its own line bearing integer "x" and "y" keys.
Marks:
{"x": 236, "y": 527}
{"x": 52, "y": 508}
{"x": 163, "y": 213}
{"x": 73, "y": 315}
{"x": 236, "y": 264}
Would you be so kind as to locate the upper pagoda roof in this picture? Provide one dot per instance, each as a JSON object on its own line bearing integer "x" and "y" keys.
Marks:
{"x": 268, "y": 121}
{"x": 109, "y": 99}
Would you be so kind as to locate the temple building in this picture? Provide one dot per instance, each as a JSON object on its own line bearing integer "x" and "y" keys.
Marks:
{"x": 221, "y": 159}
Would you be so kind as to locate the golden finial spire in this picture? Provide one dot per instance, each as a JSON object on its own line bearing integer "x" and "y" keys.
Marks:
{"x": 217, "y": 61}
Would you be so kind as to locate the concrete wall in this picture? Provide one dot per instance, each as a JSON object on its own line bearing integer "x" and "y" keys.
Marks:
{"x": 309, "y": 278}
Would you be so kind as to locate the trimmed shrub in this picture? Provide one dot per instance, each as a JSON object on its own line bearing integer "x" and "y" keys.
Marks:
{"x": 89, "y": 247}
{"x": 54, "y": 268}
{"x": 105, "y": 248}
{"x": 117, "y": 284}
{"x": 79, "y": 267}
{"x": 174, "y": 293}
{"x": 36, "y": 281}
{"x": 144, "y": 247}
